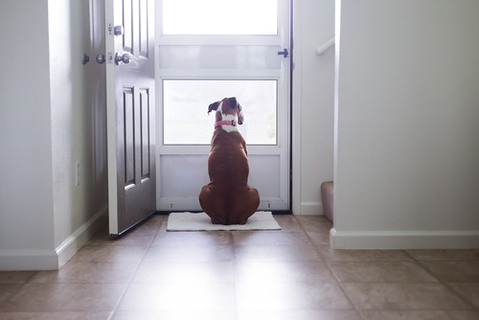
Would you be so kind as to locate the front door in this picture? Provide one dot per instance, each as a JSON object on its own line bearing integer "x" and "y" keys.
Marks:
{"x": 209, "y": 50}
{"x": 130, "y": 112}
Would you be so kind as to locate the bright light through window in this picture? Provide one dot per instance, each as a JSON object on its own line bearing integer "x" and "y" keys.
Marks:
{"x": 185, "y": 109}
{"x": 220, "y": 17}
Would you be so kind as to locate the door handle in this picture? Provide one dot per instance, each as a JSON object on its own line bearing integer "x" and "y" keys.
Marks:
{"x": 85, "y": 58}
{"x": 285, "y": 53}
{"x": 100, "y": 58}
{"x": 125, "y": 58}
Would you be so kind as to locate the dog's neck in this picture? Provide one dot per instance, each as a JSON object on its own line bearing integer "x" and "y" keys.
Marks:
{"x": 228, "y": 117}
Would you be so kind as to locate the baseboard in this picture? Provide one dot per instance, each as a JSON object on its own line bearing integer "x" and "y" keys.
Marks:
{"x": 404, "y": 239}
{"x": 28, "y": 260}
{"x": 311, "y": 208}
{"x": 74, "y": 242}
{"x": 52, "y": 259}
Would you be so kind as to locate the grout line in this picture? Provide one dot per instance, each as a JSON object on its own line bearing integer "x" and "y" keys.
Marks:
{"x": 316, "y": 248}
{"x": 446, "y": 284}
{"x": 122, "y": 295}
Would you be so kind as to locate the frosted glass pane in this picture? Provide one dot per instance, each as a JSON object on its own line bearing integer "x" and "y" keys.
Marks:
{"x": 219, "y": 57}
{"x": 220, "y": 17}
{"x": 185, "y": 109}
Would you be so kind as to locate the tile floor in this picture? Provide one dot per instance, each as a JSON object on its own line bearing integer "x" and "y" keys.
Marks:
{"x": 290, "y": 274}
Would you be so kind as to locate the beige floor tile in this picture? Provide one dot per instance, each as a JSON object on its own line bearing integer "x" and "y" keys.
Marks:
{"x": 136, "y": 238}
{"x": 330, "y": 254}
{"x": 64, "y": 297}
{"x": 407, "y": 315}
{"x": 45, "y": 276}
{"x": 276, "y": 253}
{"x": 314, "y": 223}
{"x": 192, "y": 297}
{"x": 300, "y": 315}
{"x": 284, "y": 271}
{"x": 55, "y": 316}
{"x": 109, "y": 254}
{"x": 400, "y": 296}
{"x": 186, "y": 272}
{"x": 288, "y": 223}
{"x": 149, "y": 273}
{"x": 15, "y": 276}
{"x": 153, "y": 223}
{"x": 320, "y": 238}
{"x": 267, "y": 238}
{"x": 469, "y": 291}
{"x": 189, "y": 253}
{"x": 7, "y": 291}
{"x": 453, "y": 271}
{"x": 290, "y": 296}
{"x": 464, "y": 314}
{"x": 95, "y": 272}
{"x": 172, "y": 315}
{"x": 380, "y": 271}
{"x": 209, "y": 238}
{"x": 444, "y": 254}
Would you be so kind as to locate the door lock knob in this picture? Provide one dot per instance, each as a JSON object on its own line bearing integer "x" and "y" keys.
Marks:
{"x": 284, "y": 53}
{"x": 118, "y": 30}
{"x": 125, "y": 58}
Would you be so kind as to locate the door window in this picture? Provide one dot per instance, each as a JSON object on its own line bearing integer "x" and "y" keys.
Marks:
{"x": 220, "y": 17}
{"x": 185, "y": 105}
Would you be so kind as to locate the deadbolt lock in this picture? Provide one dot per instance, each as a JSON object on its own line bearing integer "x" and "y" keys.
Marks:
{"x": 118, "y": 30}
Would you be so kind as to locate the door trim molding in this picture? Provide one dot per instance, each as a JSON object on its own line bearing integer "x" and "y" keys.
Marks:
{"x": 296, "y": 94}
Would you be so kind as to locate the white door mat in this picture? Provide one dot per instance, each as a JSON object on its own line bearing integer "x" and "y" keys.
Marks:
{"x": 187, "y": 221}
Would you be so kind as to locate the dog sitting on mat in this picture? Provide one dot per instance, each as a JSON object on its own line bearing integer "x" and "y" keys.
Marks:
{"x": 228, "y": 199}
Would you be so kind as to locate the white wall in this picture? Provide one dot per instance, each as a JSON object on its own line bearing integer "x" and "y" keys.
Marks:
{"x": 78, "y": 119}
{"x": 73, "y": 117}
{"x": 26, "y": 191}
{"x": 407, "y": 170}
{"x": 313, "y": 103}
{"x": 48, "y": 112}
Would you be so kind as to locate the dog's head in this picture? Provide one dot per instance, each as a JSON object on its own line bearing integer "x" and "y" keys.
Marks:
{"x": 225, "y": 107}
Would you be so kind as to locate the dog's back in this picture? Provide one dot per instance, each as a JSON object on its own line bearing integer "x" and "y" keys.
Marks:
{"x": 228, "y": 199}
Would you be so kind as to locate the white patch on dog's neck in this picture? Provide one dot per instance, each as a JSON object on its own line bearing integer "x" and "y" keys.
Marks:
{"x": 228, "y": 128}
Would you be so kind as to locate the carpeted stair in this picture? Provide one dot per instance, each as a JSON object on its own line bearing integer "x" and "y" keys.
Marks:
{"x": 327, "y": 196}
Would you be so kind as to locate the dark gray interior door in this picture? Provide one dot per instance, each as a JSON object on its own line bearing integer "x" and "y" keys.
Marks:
{"x": 130, "y": 112}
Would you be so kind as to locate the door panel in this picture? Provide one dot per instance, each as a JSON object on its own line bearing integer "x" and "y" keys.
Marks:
{"x": 130, "y": 116}
{"x": 145, "y": 133}
{"x": 128, "y": 128}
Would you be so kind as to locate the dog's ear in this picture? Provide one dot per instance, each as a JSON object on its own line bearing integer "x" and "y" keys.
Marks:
{"x": 232, "y": 102}
{"x": 239, "y": 112}
{"x": 213, "y": 106}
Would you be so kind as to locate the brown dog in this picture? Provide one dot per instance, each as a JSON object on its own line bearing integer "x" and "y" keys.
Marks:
{"x": 228, "y": 199}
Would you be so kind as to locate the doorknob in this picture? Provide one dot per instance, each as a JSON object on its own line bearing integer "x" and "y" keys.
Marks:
{"x": 100, "y": 58}
{"x": 85, "y": 58}
{"x": 122, "y": 58}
